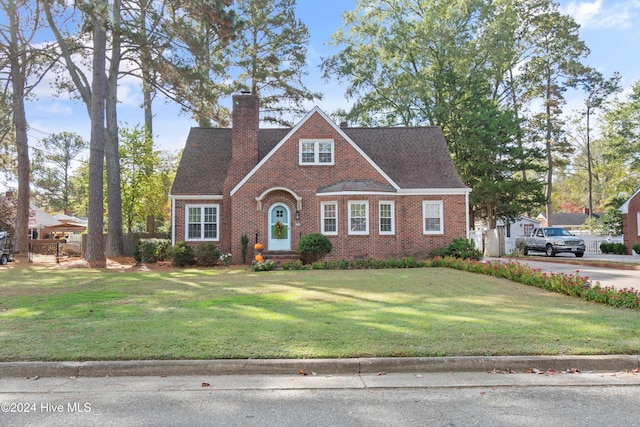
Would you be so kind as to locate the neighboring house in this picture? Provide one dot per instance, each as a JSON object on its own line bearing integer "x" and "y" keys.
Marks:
{"x": 40, "y": 223}
{"x": 375, "y": 192}
{"x": 568, "y": 220}
{"x": 631, "y": 221}
{"x": 522, "y": 226}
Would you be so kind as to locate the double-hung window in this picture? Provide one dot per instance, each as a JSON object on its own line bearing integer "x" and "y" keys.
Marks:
{"x": 202, "y": 222}
{"x": 329, "y": 218}
{"x": 432, "y": 217}
{"x": 316, "y": 152}
{"x": 359, "y": 217}
{"x": 386, "y": 218}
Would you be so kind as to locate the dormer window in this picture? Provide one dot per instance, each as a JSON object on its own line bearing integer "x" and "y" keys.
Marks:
{"x": 316, "y": 152}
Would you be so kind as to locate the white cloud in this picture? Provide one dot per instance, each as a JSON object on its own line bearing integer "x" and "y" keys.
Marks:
{"x": 598, "y": 14}
{"x": 54, "y": 108}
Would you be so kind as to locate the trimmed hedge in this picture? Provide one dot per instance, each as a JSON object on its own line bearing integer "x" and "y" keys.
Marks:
{"x": 313, "y": 247}
{"x": 182, "y": 255}
{"x": 152, "y": 250}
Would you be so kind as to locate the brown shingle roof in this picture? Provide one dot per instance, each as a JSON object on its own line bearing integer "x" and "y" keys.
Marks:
{"x": 414, "y": 158}
{"x": 356, "y": 186}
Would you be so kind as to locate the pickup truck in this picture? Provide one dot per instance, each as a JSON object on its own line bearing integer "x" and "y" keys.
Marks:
{"x": 551, "y": 240}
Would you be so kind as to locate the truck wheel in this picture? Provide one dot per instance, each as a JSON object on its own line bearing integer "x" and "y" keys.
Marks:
{"x": 525, "y": 252}
{"x": 579, "y": 254}
{"x": 549, "y": 251}
{"x": 4, "y": 260}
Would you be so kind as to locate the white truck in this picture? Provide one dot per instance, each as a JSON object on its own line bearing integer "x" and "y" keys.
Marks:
{"x": 551, "y": 240}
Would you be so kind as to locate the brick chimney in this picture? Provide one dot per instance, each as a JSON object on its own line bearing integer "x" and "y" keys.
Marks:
{"x": 244, "y": 134}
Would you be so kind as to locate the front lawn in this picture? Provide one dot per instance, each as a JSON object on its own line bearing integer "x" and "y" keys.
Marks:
{"x": 85, "y": 314}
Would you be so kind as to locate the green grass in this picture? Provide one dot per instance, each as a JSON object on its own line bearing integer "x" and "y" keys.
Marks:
{"x": 78, "y": 314}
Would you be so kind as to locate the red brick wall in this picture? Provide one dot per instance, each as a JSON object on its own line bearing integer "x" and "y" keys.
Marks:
{"x": 282, "y": 170}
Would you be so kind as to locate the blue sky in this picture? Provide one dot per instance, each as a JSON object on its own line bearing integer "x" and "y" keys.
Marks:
{"x": 611, "y": 29}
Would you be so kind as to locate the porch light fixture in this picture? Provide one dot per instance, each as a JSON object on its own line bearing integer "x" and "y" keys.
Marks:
{"x": 297, "y": 215}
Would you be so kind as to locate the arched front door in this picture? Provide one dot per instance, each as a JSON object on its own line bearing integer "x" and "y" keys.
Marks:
{"x": 279, "y": 228}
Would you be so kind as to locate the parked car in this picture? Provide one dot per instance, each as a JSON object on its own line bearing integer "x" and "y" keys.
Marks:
{"x": 6, "y": 248}
{"x": 551, "y": 240}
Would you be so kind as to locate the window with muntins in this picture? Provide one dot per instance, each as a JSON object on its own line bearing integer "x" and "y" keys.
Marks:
{"x": 329, "y": 220}
{"x": 202, "y": 222}
{"x": 358, "y": 217}
{"x": 432, "y": 217}
{"x": 386, "y": 214}
{"x": 316, "y": 152}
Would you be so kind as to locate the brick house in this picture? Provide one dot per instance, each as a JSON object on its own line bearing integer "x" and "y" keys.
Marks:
{"x": 631, "y": 221}
{"x": 375, "y": 192}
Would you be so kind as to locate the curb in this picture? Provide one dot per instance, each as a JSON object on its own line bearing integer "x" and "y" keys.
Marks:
{"x": 606, "y": 363}
{"x": 598, "y": 263}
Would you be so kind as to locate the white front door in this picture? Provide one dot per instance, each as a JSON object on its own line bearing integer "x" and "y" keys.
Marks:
{"x": 279, "y": 228}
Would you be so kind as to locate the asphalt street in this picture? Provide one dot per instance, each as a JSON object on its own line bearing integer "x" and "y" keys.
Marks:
{"x": 617, "y": 276}
{"x": 429, "y": 399}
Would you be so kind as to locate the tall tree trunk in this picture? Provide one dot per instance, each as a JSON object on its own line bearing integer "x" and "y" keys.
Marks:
{"x": 548, "y": 143}
{"x": 147, "y": 100}
{"x": 94, "y": 253}
{"x": 115, "y": 240}
{"x": 18, "y": 64}
{"x": 589, "y": 167}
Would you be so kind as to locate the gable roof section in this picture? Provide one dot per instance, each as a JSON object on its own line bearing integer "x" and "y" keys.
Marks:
{"x": 315, "y": 110}
{"x": 624, "y": 209}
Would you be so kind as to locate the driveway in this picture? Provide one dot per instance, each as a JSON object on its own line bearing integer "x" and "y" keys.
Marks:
{"x": 618, "y": 271}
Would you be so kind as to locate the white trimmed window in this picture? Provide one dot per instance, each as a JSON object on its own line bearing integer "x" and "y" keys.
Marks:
{"x": 638, "y": 223}
{"x": 359, "y": 217}
{"x": 202, "y": 222}
{"x": 386, "y": 217}
{"x": 329, "y": 218}
{"x": 432, "y": 217}
{"x": 316, "y": 152}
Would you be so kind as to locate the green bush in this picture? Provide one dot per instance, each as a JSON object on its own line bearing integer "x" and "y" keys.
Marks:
{"x": 464, "y": 249}
{"x": 244, "y": 243}
{"x": 606, "y": 247}
{"x": 313, "y": 247}
{"x": 619, "y": 248}
{"x": 207, "y": 254}
{"x": 636, "y": 248}
{"x": 182, "y": 255}
{"x": 438, "y": 253}
{"x": 151, "y": 250}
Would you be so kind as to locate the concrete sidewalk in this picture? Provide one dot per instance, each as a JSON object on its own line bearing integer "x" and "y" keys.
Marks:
{"x": 609, "y": 363}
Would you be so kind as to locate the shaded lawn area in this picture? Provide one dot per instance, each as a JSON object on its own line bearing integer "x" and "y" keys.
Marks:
{"x": 83, "y": 314}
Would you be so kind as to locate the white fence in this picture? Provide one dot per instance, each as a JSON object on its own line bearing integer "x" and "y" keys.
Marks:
{"x": 592, "y": 243}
